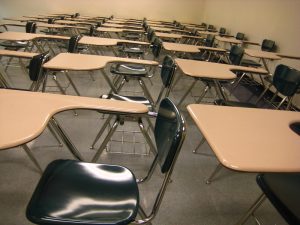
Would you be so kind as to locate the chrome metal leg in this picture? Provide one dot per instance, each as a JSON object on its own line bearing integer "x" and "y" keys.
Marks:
{"x": 72, "y": 83}
{"x": 220, "y": 91}
{"x": 8, "y": 63}
{"x": 3, "y": 81}
{"x": 58, "y": 85}
{"x": 206, "y": 89}
{"x": 150, "y": 171}
{"x": 237, "y": 83}
{"x": 263, "y": 93}
{"x": 217, "y": 169}
{"x": 106, "y": 140}
{"x": 147, "y": 137}
{"x": 45, "y": 83}
{"x": 289, "y": 103}
{"x": 32, "y": 158}
{"x": 101, "y": 131}
{"x": 66, "y": 139}
{"x": 177, "y": 80}
{"x": 282, "y": 101}
{"x": 91, "y": 75}
{"x": 202, "y": 141}
{"x": 108, "y": 81}
{"x": 187, "y": 92}
{"x": 252, "y": 209}
{"x": 159, "y": 95}
{"x": 143, "y": 216}
{"x": 54, "y": 134}
{"x": 150, "y": 124}
{"x": 146, "y": 91}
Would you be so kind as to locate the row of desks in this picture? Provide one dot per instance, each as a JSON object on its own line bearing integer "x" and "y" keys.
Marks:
{"x": 249, "y": 150}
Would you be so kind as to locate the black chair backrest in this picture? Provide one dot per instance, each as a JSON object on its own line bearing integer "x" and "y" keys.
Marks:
{"x": 210, "y": 27}
{"x": 222, "y": 30}
{"x": 209, "y": 40}
{"x": 282, "y": 189}
{"x": 150, "y": 34}
{"x": 51, "y": 21}
{"x": 30, "y": 27}
{"x": 204, "y": 25}
{"x": 73, "y": 44}
{"x": 156, "y": 47}
{"x": 268, "y": 45}
{"x": 181, "y": 27}
{"x": 194, "y": 32}
{"x": 236, "y": 54}
{"x": 169, "y": 134}
{"x": 92, "y": 30}
{"x": 240, "y": 36}
{"x": 286, "y": 80}
{"x": 99, "y": 24}
{"x": 167, "y": 70}
{"x": 36, "y": 70}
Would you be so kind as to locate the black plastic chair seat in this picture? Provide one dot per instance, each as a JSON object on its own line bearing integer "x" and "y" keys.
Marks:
{"x": 282, "y": 189}
{"x": 95, "y": 194}
{"x": 136, "y": 51}
{"x": 135, "y": 99}
{"x": 249, "y": 62}
{"x": 49, "y": 32}
{"x": 14, "y": 45}
{"x": 128, "y": 69}
{"x": 132, "y": 36}
{"x": 234, "y": 103}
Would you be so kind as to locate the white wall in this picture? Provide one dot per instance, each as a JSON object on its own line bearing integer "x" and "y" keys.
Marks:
{"x": 277, "y": 20}
{"x": 182, "y": 10}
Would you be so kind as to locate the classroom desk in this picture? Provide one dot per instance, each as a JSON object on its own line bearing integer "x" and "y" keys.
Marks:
{"x": 161, "y": 25}
{"x": 193, "y": 27}
{"x": 159, "y": 22}
{"x": 30, "y": 37}
{"x": 207, "y": 33}
{"x": 10, "y": 53}
{"x": 108, "y": 41}
{"x": 240, "y": 141}
{"x": 98, "y": 41}
{"x": 19, "y": 19}
{"x": 124, "y": 22}
{"x": 178, "y": 47}
{"x": 20, "y": 36}
{"x": 164, "y": 29}
{"x": 87, "y": 20}
{"x": 84, "y": 62}
{"x": 168, "y": 35}
{"x": 118, "y": 30}
{"x": 263, "y": 55}
{"x": 73, "y": 22}
{"x": 214, "y": 71}
{"x": 282, "y": 55}
{"x": 230, "y": 40}
{"x": 169, "y": 30}
{"x": 17, "y": 54}
{"x": 24, "y": 115}
{"x": 114, "y": 25}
